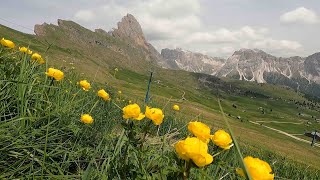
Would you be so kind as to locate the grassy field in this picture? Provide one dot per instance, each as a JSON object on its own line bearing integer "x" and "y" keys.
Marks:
{"x": 43, "y": 136}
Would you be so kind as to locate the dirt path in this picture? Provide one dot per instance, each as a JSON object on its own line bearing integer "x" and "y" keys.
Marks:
{"x": 280, "y": 122}
{"x": 287, "y": 134}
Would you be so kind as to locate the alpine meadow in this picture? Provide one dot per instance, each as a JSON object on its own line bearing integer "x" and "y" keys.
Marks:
{"x": 77, "y": 103}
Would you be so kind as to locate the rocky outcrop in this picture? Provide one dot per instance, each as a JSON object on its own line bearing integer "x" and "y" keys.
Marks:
{"x": 194, "y": 62}
{"x": 129, "y": 28}
{"x": 312, "y": 67}
{"x": 251, "y": 65}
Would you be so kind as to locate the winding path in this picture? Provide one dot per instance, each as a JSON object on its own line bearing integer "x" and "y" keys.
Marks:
{"x": 284, "y": 133}
{"x": 280, "y": 122}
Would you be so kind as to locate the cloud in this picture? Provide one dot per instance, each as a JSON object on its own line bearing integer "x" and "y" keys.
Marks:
{"x": 172, "y": 24}
{"x": 300, "y": 15}
{"x": 160, "y": 19}
{"x": 84, "y": 15}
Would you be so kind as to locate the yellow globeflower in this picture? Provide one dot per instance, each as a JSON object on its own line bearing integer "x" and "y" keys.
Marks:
{"x": 55, "y": 73}
{"x": 240, "y": 172}
{"x": 155, "y": 114}
{"x": 29, "y": 52}
{"x": 194, "y": 149}
{"x": 37, "y": 57}
{"x": 258, "y": 169}
{"x": 200, "y": 130}
{"x": 103, "y": 94}
{"x": 87, "y": 119}
{"x": 222, "y": 139}
{"x": 41, "y": 61}
{"x": 23, "y": 49}
{"x": 176, "y": 107}
{"x": 132, "y": 111}
{"x": 7, "y": 43}
{"x": 85, "y": 85}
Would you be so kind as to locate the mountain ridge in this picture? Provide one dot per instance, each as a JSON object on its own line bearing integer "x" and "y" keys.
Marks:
{"x": 252, "y": 65}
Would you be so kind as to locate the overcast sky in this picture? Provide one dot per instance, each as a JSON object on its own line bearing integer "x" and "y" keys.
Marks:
{"x": 213, "y": 27}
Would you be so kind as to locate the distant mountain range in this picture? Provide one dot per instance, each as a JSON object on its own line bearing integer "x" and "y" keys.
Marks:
{"x": 116, "y": 47}
{"x": 300, "y": 73}
{"x": 247, "y": 64}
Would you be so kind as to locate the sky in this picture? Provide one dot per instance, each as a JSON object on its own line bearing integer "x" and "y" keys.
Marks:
{"x": 213, "y": 27}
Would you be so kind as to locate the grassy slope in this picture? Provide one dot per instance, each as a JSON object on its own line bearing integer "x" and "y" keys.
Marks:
{"x": 98, "y": 64}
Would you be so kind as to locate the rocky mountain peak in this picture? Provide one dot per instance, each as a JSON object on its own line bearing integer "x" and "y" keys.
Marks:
{"x": 255, "y": 64}
{"x": 192, "y": 61}
{"x": 129, "y": 28}
{"x": 312, "y": 67}
{"x": 251, "y": 52}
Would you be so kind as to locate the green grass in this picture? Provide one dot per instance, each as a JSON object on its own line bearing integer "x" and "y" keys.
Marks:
{"x": 48, "y": 140}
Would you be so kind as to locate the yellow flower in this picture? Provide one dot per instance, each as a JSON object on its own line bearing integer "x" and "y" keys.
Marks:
{"x": 132, "y": 111}
{"x": 181, "y": 150}
{"x": 130, "y": 101}
{"x": 155, "y": 114}
{"x": 87, "y": 119}
{"x": 200, "y": 130}
{"x": 55, "y": 73}
{"x": 176, "y": 107}
{"x": 103, "y": 94}
{"x": 37, "y": 57}
{"x": 41, "y": 61}
{"x": 116, "y": 69}
{"x": 85, "y": 85}
{"x": 240, "y": 172}
{"x": 25, "y": 50}
{"x": 258, "y": 169}
{"x": 222, "y": 139}
{"x": 120, "y": 92}
{"x": 194, "y": 149}
{"x": 7, "y": 43}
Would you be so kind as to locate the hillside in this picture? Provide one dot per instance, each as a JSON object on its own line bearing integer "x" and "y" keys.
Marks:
{"x": 250, "y": 107}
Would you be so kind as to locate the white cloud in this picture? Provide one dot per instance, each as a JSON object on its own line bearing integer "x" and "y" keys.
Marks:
{"x": 172, "y": 24}
{"x": 300, "y": 15}
{"x": 84, "y": 15}
{"x": 160, "y": 19}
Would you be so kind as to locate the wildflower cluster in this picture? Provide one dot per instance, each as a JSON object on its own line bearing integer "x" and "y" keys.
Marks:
{"x": 196, "y": 148}
{"x": 35, "y": 56}
{"x": 133, "y": 111}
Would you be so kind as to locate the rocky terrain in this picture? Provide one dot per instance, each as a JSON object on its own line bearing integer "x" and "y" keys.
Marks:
{"x": 194, "y": 62}
{"x": 299, "y": 73}
{"x": 113, "y": 48}
{"x": 252, "y": 65}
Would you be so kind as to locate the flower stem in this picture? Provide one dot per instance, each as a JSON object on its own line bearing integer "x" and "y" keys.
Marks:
{"x": 95, "y": 104}
{"x": 235, "y": 142}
